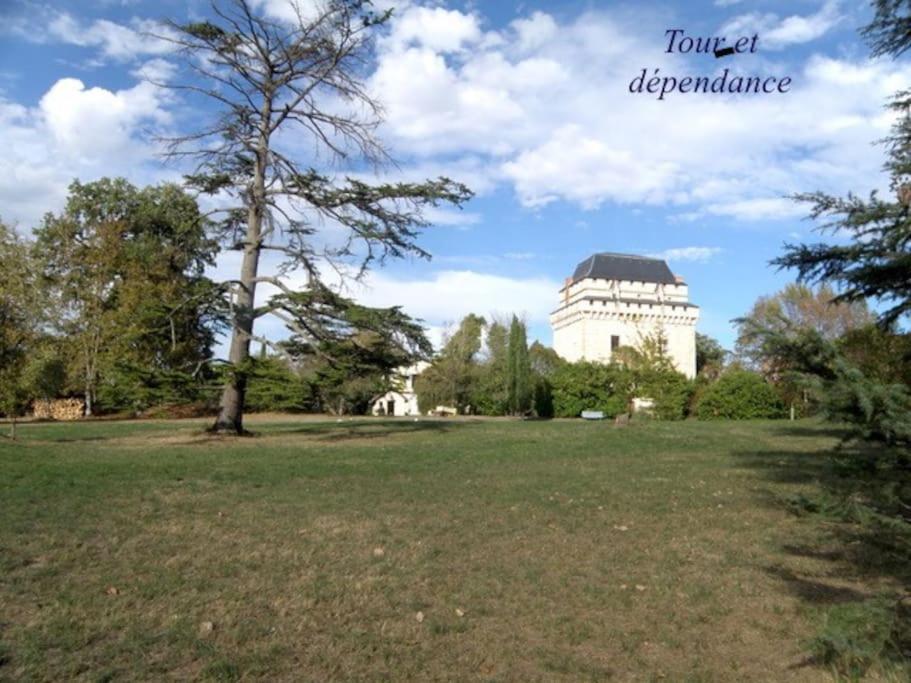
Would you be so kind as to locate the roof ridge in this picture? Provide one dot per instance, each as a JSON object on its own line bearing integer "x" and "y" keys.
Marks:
{"x": 630, "y": 256}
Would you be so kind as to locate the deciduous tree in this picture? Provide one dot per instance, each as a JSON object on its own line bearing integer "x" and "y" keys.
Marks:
{"x": 710, "y": 355}
{"x": 19, "y": 321}
{"x": 124, "y": 269}
{"x": 451, "y": 378}
{"x": 797, "y": 307}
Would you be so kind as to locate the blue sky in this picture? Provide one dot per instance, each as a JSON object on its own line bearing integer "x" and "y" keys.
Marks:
{"x": 528, "y": 104}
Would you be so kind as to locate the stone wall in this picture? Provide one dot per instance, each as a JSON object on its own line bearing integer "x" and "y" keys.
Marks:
{"x": 59, "y": 409}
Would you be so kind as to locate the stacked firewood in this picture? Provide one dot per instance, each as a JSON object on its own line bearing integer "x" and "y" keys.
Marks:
{"x": 59, "y": 409}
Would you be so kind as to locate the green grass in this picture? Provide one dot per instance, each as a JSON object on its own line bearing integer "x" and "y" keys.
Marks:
{"x": 573, "y": 551}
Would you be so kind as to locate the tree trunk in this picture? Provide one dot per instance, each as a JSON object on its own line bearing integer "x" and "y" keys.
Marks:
{"x": 231, "y": 409}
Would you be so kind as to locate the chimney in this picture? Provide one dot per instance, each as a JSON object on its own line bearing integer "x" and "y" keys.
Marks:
{"x": 679, "y": 280}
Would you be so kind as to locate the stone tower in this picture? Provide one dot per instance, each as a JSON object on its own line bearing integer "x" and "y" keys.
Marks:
{"x": 615, "y": 300}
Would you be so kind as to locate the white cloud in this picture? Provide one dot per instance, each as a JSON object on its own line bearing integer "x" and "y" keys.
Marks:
{"x": 435, "y": 28}
{"x": 449, "y": 295}
{"x": 584, "y": 168}
{"x": 94, "y": 122}
{"x": 776, "y": 33}
{"x": 114, "y": 40}
{"x": 75, "y": 132}
{"x": 540, "y": 106}
{"x": 534, "y": 32}
{"x": 699, "y": 254}
{"x": 545, "y": 108}
{"x": 451, "y": 217}
{"x": 292, "y": 11}
{"x": 155, "y": 70}
{"x": 758, "y": 209}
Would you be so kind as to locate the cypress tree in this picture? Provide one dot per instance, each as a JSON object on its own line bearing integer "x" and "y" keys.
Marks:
{"x": 518, "y": 374}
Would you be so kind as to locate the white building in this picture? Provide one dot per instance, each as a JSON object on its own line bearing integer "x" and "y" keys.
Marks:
{"x": 615, "y": 300}
{"x": 401, "y": 401}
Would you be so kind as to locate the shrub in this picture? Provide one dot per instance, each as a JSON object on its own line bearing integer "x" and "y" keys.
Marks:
{"x": 739, "y": 395}
{"x": 670, "y": 390}
{"x": 589, "y": 386}
{"x": 543, "y": 397}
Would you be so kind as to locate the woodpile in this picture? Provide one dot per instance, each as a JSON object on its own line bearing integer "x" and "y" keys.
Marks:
{"x": 64, "y": 409}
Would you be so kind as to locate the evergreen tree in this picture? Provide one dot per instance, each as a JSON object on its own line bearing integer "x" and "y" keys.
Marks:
{"x": 544, "y": 362}
{"x": 518, "y": 374}
{"x": 351, "y": 352}
{"x": 281, "y": 85}
{"x": 876, "y": 264}
{"x": 878, "y": 409}
{"x": 710, "y": 355}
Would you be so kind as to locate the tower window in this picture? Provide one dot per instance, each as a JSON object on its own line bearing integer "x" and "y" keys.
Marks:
{"x": 614, "y": 342}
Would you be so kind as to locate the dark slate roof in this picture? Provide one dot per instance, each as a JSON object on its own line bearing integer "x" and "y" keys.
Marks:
{"x": 608, "y": 266}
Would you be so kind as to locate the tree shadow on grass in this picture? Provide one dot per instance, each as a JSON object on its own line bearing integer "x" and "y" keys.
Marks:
{"x": 371, "y": 429}
{"x": 815, "y": 432}
{"x": 862, "y": 559}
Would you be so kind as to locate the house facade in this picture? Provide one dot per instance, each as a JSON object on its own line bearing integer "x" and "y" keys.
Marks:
{"x": 401, "y": 401}
{"x": 615, "y": 300}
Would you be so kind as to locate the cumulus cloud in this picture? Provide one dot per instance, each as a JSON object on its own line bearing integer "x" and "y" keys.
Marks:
{"x": 434, "y": 28}
{"x": 75, "y": 132}
{"x": 451, "y": 217}
{"x": 155, "y": 70}
{"x": 535, "y": 31}
{"x": 543, "y": 106}
{"x": 95, "y": 122}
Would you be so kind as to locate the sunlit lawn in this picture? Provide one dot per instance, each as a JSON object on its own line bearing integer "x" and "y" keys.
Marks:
{"x": 393, "y": 550}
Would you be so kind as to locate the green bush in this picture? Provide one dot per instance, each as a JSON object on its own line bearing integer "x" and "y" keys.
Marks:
{"x": 543, "y": 397}
{"x": 589, "y": 386}
{"x": 670, "y": 390}
{"x": 739, "y": 395}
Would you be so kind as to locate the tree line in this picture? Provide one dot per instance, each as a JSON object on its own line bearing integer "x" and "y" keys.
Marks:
{"x": 121, "y": 286}
{"x": 110, "y": 300}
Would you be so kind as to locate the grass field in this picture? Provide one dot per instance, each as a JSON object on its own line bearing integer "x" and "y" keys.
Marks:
{"x": 432, "y": 550}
